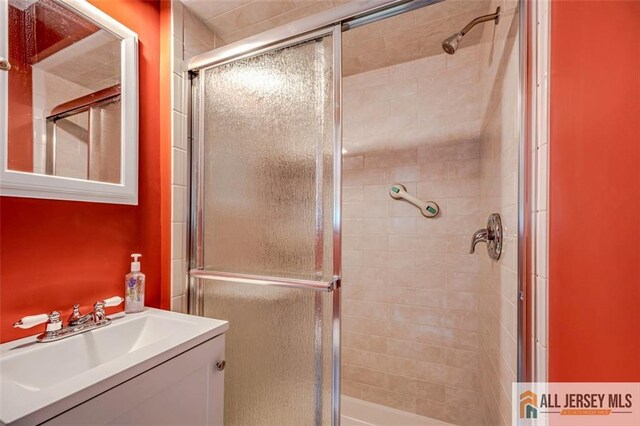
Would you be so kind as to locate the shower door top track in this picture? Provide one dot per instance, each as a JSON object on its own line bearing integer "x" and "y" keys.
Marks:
{"x": 350, "y": 15}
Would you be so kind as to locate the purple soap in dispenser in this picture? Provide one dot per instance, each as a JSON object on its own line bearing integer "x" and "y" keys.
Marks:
{"x": 134, "y": 288}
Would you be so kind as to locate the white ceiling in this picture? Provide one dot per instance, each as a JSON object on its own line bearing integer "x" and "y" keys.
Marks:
{"x": 93, "y": 62}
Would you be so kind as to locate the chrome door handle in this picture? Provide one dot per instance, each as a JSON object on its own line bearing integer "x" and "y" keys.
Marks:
{"x": 4, "y": 64}
{"x": 220, "y": 365}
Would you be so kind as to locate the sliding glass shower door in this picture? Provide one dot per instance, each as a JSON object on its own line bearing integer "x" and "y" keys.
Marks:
{"x": 265, "y": 252}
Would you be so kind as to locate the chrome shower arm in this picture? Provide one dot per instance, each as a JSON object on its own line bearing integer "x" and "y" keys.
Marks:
{"x": 485, "y": 18}
{"x": 450, "y": 44}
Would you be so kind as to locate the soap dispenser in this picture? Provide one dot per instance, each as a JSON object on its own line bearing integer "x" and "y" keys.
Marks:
{"x": 134, "y": 287}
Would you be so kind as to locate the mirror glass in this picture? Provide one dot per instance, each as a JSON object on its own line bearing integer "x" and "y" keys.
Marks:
{"x": 64, "y": 93}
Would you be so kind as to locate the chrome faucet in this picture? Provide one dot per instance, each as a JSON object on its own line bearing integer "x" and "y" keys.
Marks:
{"x": 76, "y": 319}
{"x": 76, "y": 324}
{"x": 98, "y": 310}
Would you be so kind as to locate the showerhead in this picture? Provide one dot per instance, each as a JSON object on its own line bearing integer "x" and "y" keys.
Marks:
{"x": 450, "y": 44}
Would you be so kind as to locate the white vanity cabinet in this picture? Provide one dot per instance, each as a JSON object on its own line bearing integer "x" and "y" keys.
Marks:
{"x": 151, "y": 368}
{"x": 185, "y": 390}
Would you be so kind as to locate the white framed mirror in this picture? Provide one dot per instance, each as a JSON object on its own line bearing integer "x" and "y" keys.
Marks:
{"x": 68, "y": 103}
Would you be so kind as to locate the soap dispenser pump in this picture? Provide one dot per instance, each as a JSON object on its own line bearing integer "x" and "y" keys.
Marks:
{"x": 134, "y": 287}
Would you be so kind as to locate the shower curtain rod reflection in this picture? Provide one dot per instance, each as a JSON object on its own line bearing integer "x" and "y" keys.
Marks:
{"x": 350, "y": 15}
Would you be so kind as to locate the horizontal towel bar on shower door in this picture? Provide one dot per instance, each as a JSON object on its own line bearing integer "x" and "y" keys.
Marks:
{"x": 269, "y": 281}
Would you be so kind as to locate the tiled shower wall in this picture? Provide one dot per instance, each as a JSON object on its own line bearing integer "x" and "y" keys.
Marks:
{"x": 499, "y": 144}
{"x": 411, "y": 317}
{"x": 189, "y": 37}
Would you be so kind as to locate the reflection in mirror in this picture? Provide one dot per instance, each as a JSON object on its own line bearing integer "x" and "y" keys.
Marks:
{"x": 64, "y": 93}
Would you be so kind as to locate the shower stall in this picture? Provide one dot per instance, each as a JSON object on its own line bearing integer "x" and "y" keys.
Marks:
{"x": 340, "y": 166}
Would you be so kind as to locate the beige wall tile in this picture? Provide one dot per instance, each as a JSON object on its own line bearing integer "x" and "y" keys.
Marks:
{"x": 350, "y": 388}
{"x": 365, "y": 342}
{"x": 462, "y": 358}
{"x": 365, "y": 376}
{"x": 352, "y": 356}
{"x": 383, "y": 159}
{"x": 389, "y": 364}
{"x": 429, "y": 408}
{"x": 365, "y": 177}
{"x": 384, "y": 293}
{"x": 365, "y": 242}
{"x": 417, "y": 351}
{"x": 207, "y": 9}
{"x": 385, "y": 397}
{"x": 364, "y": 209}
{"x": 368, "y": 309}
{"x": 463, "y": 150}
{"x": 462, "y": 301}
{"x": 352, "y": 162}
{"x": 461, "y": 397}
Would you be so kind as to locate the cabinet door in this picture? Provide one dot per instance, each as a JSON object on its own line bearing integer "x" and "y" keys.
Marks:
{"x": 186, "y": 390}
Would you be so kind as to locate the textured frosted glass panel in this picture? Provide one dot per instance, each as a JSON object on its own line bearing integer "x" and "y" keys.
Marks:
{"x": 104, "y": 156}
{"x": 268, "y": 151}
{"x": 278, "y": 352}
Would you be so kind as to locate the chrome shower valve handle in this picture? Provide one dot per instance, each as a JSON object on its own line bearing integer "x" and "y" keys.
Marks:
{"x": 428, "y": 208}
{"x": 491, "y": 235}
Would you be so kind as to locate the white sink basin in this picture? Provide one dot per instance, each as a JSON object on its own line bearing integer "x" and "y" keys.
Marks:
{"x": 40, "y": 380}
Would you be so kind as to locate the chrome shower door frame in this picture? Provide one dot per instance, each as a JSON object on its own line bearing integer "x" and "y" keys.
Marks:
{"x": 348, "y": 16}
{"x": 196, "y": 229}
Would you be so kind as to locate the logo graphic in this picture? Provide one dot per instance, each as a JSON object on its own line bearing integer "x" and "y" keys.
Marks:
{"x": 528, "y": 405}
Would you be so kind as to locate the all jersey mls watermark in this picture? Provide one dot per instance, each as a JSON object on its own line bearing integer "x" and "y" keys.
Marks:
{"x": 576, "y": 404}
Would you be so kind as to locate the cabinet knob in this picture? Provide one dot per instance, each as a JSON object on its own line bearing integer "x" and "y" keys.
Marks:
{"x": 4, "y": 64}
{"x": 220, "y": 365}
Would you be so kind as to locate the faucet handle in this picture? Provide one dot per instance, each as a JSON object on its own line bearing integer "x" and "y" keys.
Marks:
{"x": 53, "y": 321}
{"x": 98, "y": 307}
{"x": 113, "y": 301}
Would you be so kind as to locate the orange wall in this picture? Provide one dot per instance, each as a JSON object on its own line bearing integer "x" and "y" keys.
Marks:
{"x": 594, "y": 234}
{"x": 57, "y": 253}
